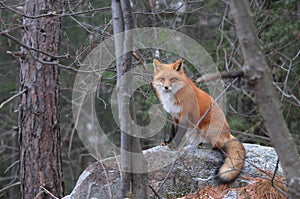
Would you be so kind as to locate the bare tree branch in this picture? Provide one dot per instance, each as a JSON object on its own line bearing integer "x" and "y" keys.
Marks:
{"x": 12, "y": 38}
{"x": 260, "y": 78}
{"x": 227, "y": 74}
{"x": 57, "y": 13}
{"x": 12, "y": 98}
{"x": 10, "y": 186}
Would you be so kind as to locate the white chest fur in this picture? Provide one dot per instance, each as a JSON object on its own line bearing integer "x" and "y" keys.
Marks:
{"x": 168, "y": 100}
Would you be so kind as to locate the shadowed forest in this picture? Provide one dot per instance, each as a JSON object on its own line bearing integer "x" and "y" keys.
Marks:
{"x": 87, "y": 23}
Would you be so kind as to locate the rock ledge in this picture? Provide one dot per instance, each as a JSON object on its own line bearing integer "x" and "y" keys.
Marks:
{"x": 193, "y": 169}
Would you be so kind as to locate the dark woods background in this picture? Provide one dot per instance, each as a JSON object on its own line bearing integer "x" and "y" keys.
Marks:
{"x": 87, "y": 23}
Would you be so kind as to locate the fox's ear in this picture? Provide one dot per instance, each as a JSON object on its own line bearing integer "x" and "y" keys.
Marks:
{"x": 157, "y": 66}
{"x": 178, "y": 65}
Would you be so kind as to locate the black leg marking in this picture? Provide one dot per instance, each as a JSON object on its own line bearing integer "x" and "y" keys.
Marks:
{"x": 173, "y": 133}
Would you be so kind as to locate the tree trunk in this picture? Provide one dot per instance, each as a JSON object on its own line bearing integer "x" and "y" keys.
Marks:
{"x": 260, "y": 77}
{"x": 118, "y": 27}
{"x": 132, "y": 181}
{"x": 39, "y": 127}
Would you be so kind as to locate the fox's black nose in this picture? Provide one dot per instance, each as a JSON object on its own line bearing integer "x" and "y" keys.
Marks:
{"x": 166, "y": 87}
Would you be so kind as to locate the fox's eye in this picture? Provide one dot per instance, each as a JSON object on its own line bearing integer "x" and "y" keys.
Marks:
{"x": 174, "y": 79}
{"x": 161, "y": 79}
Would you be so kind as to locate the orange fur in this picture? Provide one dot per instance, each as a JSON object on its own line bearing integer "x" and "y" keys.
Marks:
{"x": 187, "y": 104}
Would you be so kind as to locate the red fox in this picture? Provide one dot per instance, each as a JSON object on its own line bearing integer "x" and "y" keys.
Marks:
{"x": 187, "y": 104}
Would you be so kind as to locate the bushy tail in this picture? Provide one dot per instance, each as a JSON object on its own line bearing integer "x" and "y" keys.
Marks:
{"x": 234, "y": 161}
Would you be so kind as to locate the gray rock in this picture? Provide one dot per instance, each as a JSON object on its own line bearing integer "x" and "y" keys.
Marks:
{"x": 194, "y": 168}
{"x": 231, "y": 195}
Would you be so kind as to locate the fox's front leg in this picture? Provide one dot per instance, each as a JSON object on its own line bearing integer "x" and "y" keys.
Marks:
{"x": 174, "y": 130}
{"x": 171, "y": 136}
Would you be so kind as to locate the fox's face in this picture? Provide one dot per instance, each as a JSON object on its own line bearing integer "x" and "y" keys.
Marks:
{"x": 167, "y": 82}
{"x": 168, "y": 77}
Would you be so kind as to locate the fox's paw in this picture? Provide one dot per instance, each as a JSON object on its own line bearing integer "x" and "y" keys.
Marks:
{"x": 200, "y": 145}
{"x": 164, "y": 143}
{"x": 204, "y": 145}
